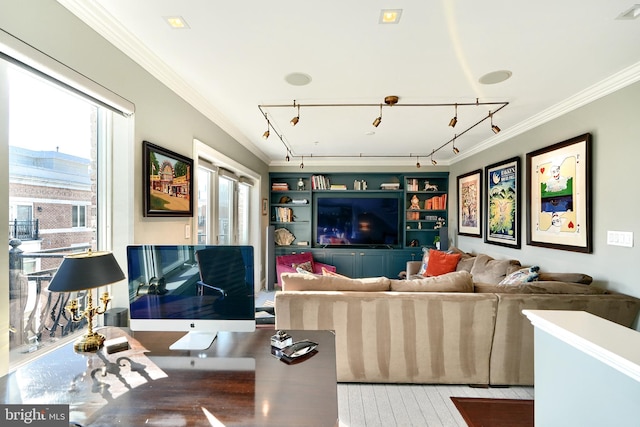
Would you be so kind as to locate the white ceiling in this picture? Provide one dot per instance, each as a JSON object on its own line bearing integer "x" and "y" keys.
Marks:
{"x": 236, "y": 54}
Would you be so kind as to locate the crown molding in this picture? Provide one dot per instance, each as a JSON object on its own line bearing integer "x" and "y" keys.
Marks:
{"x": 601, "y": 89}
{"x": 92, "y": 14}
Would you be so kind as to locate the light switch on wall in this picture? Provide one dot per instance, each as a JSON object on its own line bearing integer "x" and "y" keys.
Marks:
{"x": 187, "y": 231}
{"x": 620, "y": 238}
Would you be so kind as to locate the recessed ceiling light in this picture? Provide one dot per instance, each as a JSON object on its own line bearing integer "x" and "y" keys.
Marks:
{"x": 176, "y": 22}
{"x": 390, "y": 16}
{"x": 298, "y": 79}
{"x": 495, "y": 77}
{"x": 631, "y": 13}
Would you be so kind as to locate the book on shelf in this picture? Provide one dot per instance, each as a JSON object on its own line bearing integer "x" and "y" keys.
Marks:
{"x": 390, "y": 186}
{"x": 300, "y": 201}
{"x": 338, "y": 187}
{"x": 279, "y": 186}
{"x": 284, "y": 214}
{"x": 436, "y": 202}
{"x": 412, "y": 184}
{"x": 320, "y": 182}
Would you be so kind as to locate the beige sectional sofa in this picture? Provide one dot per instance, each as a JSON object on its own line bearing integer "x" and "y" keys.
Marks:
{"x": 442, "y": 330}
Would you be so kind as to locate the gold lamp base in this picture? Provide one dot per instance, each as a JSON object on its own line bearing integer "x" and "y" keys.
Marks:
{"x": 89, "y": 342}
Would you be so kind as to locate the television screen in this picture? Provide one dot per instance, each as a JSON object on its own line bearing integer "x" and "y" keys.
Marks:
{"x": 368, "y": 221}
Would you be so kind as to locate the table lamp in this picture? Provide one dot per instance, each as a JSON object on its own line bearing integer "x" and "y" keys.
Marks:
{"x": 86, "y": 271}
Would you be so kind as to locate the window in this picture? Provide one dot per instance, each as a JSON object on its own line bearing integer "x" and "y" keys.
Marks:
{"x": 78, "y": 216}
{"x": 57, "y": 193}
{"x": 226, "y": 200}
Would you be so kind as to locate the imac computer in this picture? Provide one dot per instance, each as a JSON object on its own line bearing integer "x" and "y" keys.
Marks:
{"x": 198, "y": 289}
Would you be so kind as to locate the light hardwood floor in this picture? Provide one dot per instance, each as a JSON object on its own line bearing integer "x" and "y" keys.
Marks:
{"x": 411, "y": 405}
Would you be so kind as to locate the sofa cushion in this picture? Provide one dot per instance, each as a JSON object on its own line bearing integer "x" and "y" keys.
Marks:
{"x": 547, "y": 287}
{"x": 441, "y": 263}
{"x": 524, "y": 275}
{"x": 584, "y": 279}
{"x": 327, "y": 272}
{"x": 457, "y": 281}
{"x": 308, "y": 282}
{"x": 488, "y": 270}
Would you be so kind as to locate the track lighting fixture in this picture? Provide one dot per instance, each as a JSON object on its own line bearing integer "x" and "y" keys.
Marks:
{"x": 454, "y": 119}
{"x": 389, "y": 101}
{"x": 494, "y": 128}
{"x": 378, "y": 119}
{"x": 296, "y": 119}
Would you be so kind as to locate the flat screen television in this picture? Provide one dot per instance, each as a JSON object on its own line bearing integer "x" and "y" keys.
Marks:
{"x": 370, "y": 221}
{"x": 197, "y": 289}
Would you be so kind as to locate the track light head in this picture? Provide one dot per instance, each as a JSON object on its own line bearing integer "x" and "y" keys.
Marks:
{"x": 265, "y": 135}
{"x": 454, "y": 119}
{"x": 455, "y": 150}
{"x": 494, "y": 128}
{"x": 302, "y": 163}
{"x": 287, "y": 158}
{"x": 418, "y": 163}
{"x": 377, "y": 121}
{"x": 433, "y": 162}
{"x": 295, "y": 120}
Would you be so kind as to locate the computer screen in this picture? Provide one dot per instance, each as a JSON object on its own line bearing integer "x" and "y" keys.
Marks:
{"x": 199, "y": 289}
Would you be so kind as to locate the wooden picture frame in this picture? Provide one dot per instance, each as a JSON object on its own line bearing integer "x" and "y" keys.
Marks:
{"x": 502, "y": 203}
{"x": 167, "y": 182}
{"x": 559, "y": 203}
{"x": 469, "y": 204}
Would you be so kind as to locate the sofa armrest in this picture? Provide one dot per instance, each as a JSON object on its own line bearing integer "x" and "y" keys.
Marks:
{"x": 317, "y": 267}
{"x": 413, "y": 267}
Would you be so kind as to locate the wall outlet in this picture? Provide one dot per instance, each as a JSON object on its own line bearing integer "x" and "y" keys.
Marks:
{"x": 187, "y": 231}
{"x": 620, "y": 238}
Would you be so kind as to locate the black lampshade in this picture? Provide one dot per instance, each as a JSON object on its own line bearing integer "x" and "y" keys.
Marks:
{"x": 86, "y": 271}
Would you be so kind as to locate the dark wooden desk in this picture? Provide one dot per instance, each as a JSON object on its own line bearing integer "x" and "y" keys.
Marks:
{"x": 236, "y": 381}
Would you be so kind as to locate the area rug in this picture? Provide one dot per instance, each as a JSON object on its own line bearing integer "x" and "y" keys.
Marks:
{"x": 481, "y": 412}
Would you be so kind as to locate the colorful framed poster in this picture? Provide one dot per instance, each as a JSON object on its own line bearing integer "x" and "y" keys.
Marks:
{"x": 168, "y": 182}
{"x": 559, "y": 203}
{"x": 469, "y": 207}
{"x": 502, "y": 203}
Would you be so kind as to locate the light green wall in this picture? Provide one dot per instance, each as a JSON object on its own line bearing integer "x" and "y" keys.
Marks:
{"x": 614, "y": 125}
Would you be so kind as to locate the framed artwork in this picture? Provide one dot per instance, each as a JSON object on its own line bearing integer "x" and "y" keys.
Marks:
{"x": 559, "y": 204}
{"x": 168, "y": 182}
{"x": 265, "y": 206}
{"x": 503, "y": 203}
{"x": 469, "y": 207}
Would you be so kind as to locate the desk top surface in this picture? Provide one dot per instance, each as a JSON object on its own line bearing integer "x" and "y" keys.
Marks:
{"x": 237, "y": 381}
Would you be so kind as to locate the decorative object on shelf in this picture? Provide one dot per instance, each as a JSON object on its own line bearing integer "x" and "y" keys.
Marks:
{"x": 284, "y": 200}
{"x": 415, "y": 203}
{"x": 283, "y": 237}
{"x": 359, "y": 184}
{"x": 168, "y": 182}
{"x": 440, "y": 222}
{"x": 559, "y": 203}
{"x": 436, "y": 242}
{"x": 414, "y": 243}
{"x": 430, "y": 187}
{"x": 502, "y": 182}
{"x": 390, "y": 186}
{"x": 300, "y": 185}
{"x": 87, "y": 271}
{"x": 469, "y": 207}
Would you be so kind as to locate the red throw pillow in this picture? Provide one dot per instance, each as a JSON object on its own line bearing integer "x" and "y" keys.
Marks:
{"x": 441, "y": 263}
